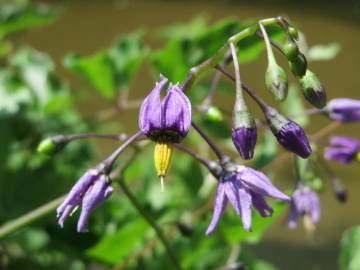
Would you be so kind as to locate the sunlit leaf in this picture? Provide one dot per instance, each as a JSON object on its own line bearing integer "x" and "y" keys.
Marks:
{"x": 324, "y": 52}
{"x": 350, "y": 249}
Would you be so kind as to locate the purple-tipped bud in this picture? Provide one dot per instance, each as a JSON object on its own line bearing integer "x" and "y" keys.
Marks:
{"x": 313, "y": 90}
{"x": 342, "y": 149}
{"x": 244, "y": 134}
{"x": 298, "y": 65}
{"x": 244, "y": 140}
{"x": 344, "y": 109}
{"x": 169, "y": 119}
{"x": 289, "y": 134}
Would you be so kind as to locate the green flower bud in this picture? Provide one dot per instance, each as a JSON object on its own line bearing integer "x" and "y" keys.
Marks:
{"x": 52, "y": 145}
{"x": 213, "y": 114}
{"x": 316, "y": 184}
{"x": 47, "y": 147}
{"x": 276, "y": 81}
{"x": 293, "y": 32}
{"x": 291, "y": 50}
{"x": 298, "y": 65}
{"x": 312, "y": 89}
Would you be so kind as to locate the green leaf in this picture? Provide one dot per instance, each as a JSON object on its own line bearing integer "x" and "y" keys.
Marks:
{"x": 350, "y": 249}
{"x": 294, "y": 106}
{"x": 233, "y": 232}
{"x": 113, "y": 69}
{"x": 262, "y": 265}
{"x": 97, "y": 69}
{"x": 127, "y": 54}
{"x": 114, "y": 247}
{"x": 266, "y": 150}
{"x": 324, "y": 52}
{"x": 17, "y": 16}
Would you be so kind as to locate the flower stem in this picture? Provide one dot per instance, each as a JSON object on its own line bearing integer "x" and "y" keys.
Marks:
{"x": 152, "y": 223}
{"x": 220, "y": 154}
{"x": 29, "y": 217}
{"x": 219, "y": 54}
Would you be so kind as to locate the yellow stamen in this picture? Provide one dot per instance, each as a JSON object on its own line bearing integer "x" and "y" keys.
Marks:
{"x": 358, "y": 156}
{"x": 309, "y": 225}
{"x": 162, "y": 158}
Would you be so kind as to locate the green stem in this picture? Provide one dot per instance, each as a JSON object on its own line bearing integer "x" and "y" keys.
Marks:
{"x": 152, "y": 223}
{"x": 28, "y": 218}
{"x": 218, "y": 56}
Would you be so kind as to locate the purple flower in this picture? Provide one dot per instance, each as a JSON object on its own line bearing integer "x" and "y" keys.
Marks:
{"x": 304, "y": 203}
{"x": 342, "y": 149}
{"x": 90, "y": 191}
{"x": 169, "y": 119}
{"x": 344, "y": 109}
{"x": 245, "y": 188}
{"x": 244, "y": 140}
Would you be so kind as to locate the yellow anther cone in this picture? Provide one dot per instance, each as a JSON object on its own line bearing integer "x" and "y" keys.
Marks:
{"x": 162, "y": 158}
{"x": 358, "y": 156}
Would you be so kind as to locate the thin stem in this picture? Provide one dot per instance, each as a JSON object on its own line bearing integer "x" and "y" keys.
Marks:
{"x": 219, "y": 54}
{"x": 214, "y": 85}
{"x": 270, "y": 53}
{"x": 221, "y": 156}
{"x": 263, "y": 105}
{"x": 151, "y": 222}
{"x": 108, "y": 163}
{"x": 30, "y": 217}
{"x": 273, "y": 43}
{"x": 239, "y": 94}
{"x": 297, "y": 168}
{"x": 211, "y": 165}
{"x": 72, "y": 137}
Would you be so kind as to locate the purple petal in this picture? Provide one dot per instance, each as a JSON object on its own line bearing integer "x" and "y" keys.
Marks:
{"x": 245, "y": 206}
{"x": 219, "y": 207}
{"x": 293, "y": 216}
{"x": 96, "y": 195}
{"x": 150, "y": 111}
{"x": 260, "y": 204}
{"x": 344, "y": 109}
{"x": 176, "y": 111}
{"x": 259, "y": 183}
{"x": 315, "y": 207}
{"x": 233, "y": 194}
{"x": 77, "y": 192}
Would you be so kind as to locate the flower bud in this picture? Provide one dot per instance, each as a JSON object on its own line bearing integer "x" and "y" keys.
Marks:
{"x": 288, "y": 133}
{"x": 276, "y": 81}
{"x": 291, "y": 50}
{"x": 244, "y": 134}
{"x": 344, "y": 110}
{"x": 312, "y": 89}
{"x": 50, "y": 146}
{"x": 339, "y": 189}
{"x": 298, "y": 65}
{"x": 213, "y": 114}
{"x": 293, "y": 32}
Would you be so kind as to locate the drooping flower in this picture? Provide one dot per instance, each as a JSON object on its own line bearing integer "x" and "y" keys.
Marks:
{"x": 244, "y": 188}
{"x": 304, "y": 203}
{"x": 90, "y": 191}
{"x": 165, "y": 122}
{"x": 342, "y": 149}
{"x": 288, "y": 133}
{"x": 344, "y": 109}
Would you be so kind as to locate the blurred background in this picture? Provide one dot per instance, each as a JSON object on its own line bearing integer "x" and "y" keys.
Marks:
{"x": 89, "y": 26}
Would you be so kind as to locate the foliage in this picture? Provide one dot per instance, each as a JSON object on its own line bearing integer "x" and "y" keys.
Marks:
{"x": 36, "y": 102}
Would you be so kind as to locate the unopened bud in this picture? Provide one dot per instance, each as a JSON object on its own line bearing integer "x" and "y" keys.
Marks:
{"x": 213, "y": 114}
{"x": 50, "y": 146}
{"x": 244, "y": 134}
{"x": 291, "y": 50}
{"x": 276, "y": 81}
{"x": 340, "y": 191}
{"x": 288, "y": 133}
{"x": 313, "y": 90}
{"x": 293, "y": 32}
{"x": 298, "y": 65}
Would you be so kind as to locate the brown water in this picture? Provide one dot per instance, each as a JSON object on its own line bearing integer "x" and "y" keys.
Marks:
{"x": 90, "y": 25}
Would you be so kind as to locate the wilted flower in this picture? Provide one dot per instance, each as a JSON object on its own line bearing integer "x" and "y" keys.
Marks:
{"x": 342, "y": 149}
{"x": 244, "y": 188}
{"x": 90, "y": 191}
{"x": 304, "y": 203}
{"x": 344, "y": 109}
{"x": 289, "y": 134}
{"x": 165, "y": 122}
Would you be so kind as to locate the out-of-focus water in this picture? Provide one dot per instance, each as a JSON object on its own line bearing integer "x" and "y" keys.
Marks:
{"x": 87, "y": 26}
